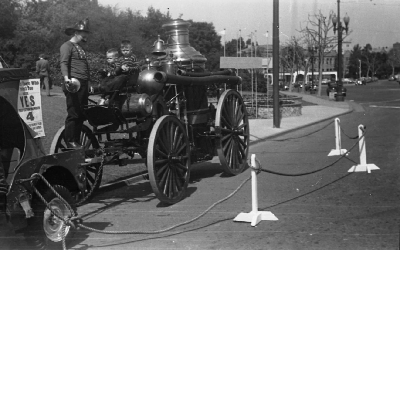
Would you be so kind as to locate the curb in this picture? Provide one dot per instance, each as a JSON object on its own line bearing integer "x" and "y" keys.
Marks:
{"x": 274, "y": 135}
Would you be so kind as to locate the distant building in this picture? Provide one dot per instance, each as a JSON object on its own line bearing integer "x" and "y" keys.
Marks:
{"x": 396, "y": 47}
{"x": 380, "y": 49}
{"x": 329, "y": 62}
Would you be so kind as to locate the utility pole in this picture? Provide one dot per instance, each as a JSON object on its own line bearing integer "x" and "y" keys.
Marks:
{"x": 340, "y": 29}
{"x": 275, "y": 64}
{"x": 268, "y": 60}
{"x": 252, "y": 78}
{"x": 240, "y": 42}
{"x": 224, "y": 41}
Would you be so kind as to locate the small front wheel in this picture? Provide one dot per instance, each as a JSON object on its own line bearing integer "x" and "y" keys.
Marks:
{"x": 46, "y": 230}
{"x": 89, "y": 142}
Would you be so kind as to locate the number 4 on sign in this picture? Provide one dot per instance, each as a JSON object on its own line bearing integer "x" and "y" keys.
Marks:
{"x": 30, "y": 116}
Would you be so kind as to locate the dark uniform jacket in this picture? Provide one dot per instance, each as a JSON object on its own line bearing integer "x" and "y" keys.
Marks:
{"x": 42, "y": 67}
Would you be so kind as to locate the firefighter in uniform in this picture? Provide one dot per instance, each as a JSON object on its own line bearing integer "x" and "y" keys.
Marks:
{"x": 74, "y": 64}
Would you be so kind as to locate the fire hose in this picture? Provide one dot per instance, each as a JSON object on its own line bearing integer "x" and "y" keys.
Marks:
{"x": 76, "y": 222}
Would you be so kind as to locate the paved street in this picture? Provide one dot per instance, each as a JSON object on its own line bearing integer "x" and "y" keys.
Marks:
{"x": 330, "y": 209}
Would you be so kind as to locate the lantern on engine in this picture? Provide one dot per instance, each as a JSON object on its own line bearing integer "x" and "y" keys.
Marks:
{"x": 159, "y": 48}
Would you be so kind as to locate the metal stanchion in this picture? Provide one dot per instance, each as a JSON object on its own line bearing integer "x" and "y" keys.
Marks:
{"x": 255, "y": 216}
{"x": 338, "y": 151}
{"x": 363, "y": 166}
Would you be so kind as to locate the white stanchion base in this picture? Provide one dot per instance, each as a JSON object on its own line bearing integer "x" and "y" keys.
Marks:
{"x": 255, "y": 217}
{"x": 337, "y": 152}
{"x": 363, "y": 168}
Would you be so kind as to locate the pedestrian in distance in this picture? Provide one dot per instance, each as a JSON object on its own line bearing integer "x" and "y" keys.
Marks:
{"x": 75, "y": 71}
{"x": 43, "y": 70}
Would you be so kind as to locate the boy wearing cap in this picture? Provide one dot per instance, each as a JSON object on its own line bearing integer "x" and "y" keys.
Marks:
{"x": 74, "y": 64}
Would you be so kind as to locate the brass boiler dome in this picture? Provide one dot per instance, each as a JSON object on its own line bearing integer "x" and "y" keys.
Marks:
{"x": 177, "y": 32}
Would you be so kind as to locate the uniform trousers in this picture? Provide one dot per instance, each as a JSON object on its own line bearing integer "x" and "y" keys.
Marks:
{"x": 75, "y": 111}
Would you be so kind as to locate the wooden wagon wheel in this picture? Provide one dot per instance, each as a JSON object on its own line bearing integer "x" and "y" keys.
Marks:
{"x": 232, "y": 128}
{"x": 168, "y": 159}
{"x": 89, "y": 141}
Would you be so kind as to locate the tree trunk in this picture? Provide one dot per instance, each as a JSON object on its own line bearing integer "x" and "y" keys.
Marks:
{"x": 291, "y": 76}
{"x": 303, "y": 89}
{"x": 319, "y": 77}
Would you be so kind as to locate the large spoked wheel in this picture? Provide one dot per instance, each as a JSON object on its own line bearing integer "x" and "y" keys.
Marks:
{"x": 89, "y": 141}
{"x": 45, "y": 230}
{"x": 168, "y": 159}
{"x": 233, "y": 134}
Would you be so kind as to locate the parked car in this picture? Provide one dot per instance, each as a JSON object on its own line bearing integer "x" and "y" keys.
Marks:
{"x": 325, "y": 81}
{"x": 310, "y": 87}
{"x": 283, "y": 85}
{"x": 332, "y": 87}
{"x": 392, "y": 78}
{"x": 348, "y": 81}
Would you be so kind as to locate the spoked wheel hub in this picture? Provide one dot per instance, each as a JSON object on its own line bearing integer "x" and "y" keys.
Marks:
{"x": 232, "y": 127}
{"x": 52, "y": 225}
{"x": 90, "y": 143}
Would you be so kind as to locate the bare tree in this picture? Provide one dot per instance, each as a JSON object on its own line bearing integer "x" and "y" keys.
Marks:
{"x": 307, "y": 43}
{"x": 366, "y": 54}
{"x": 316, "y": 32}
{"x": 292, "y": 56}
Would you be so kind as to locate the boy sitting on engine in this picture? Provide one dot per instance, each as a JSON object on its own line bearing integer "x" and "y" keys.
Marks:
{"x": 128, "y": 62}
{"x": 112, "y": 77}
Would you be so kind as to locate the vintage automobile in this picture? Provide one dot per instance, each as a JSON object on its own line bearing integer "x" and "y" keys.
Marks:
{"x": 173, "y": 114}
{"x": 25, "y": 163}
{"x": 332, "y": 88}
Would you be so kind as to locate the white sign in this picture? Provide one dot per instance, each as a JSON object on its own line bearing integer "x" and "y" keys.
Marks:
{"x": 30, "y": 105}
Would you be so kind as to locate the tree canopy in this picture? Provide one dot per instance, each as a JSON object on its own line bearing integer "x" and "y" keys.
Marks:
{"x": 28, "y": 28}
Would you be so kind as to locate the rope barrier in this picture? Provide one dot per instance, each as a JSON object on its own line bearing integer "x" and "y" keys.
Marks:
{"x": 300, "y": 137}
{"x": 310, "y": 172}
{"x": 342, "y": 131}
{"x": 171, "y": 227}
{"x": 75, "y": 221}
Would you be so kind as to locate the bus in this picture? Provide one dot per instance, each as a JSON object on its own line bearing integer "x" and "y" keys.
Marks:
{"x": 299, "y": 76}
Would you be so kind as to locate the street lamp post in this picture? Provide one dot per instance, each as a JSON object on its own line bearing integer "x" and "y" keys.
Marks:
{"x": 240, "y": 42}
{"x": 340, "y": 28}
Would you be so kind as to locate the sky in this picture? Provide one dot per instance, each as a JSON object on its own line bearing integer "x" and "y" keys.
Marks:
{"x": 371, "y": 21}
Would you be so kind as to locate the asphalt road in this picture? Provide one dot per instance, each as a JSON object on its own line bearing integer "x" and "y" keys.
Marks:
{"x": 329, "y": 209}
